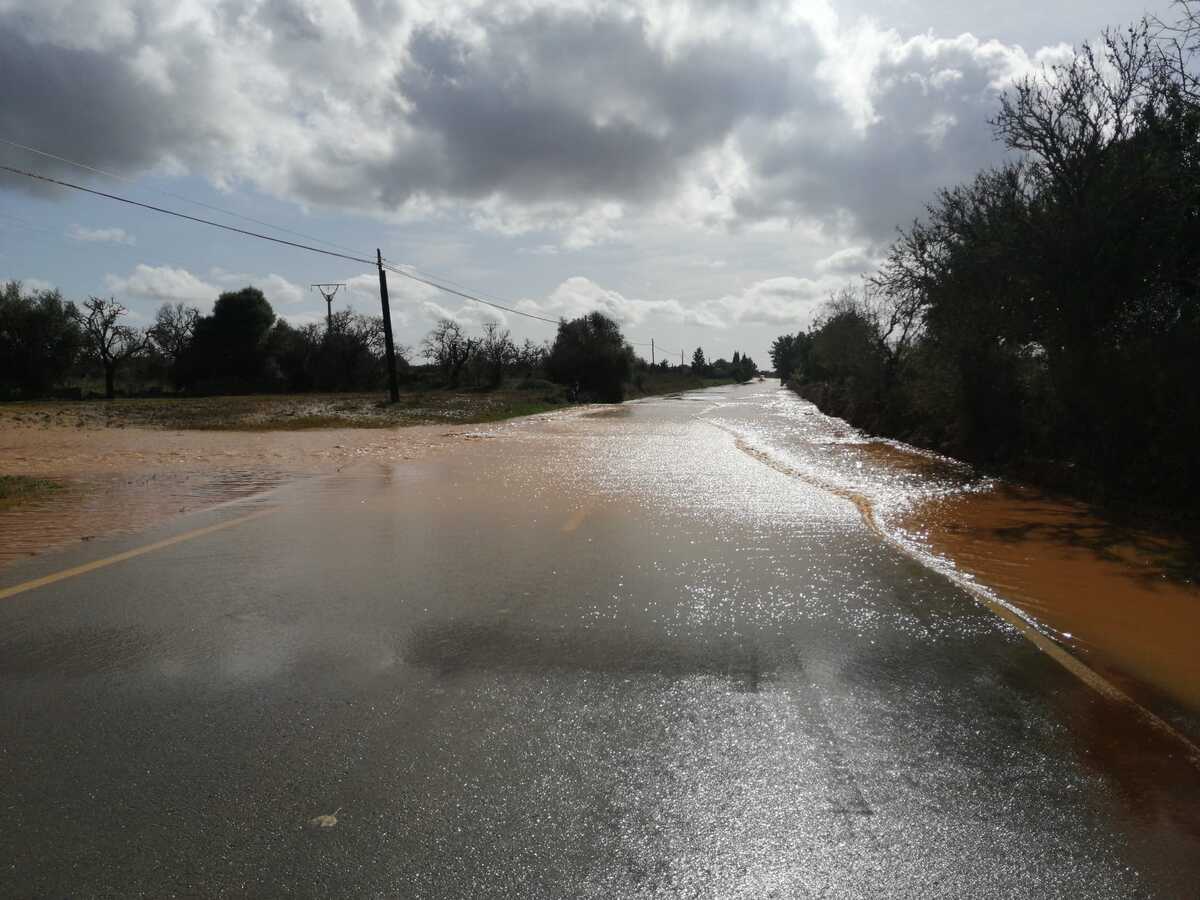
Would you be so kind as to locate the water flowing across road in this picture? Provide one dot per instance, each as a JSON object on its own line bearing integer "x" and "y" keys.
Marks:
{"x": 677, "y": 648}
{"x": 1124, "y": 601}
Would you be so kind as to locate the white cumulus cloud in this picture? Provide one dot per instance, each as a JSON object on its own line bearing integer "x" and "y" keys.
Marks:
{"x": 587, "y": 121}
{"x": 101, "y": 235}
{"x": 786, "y": 300}
{"x": 578, "y": 296}
{"x": 163, "y": 284}
{"x": 277, "y": 289}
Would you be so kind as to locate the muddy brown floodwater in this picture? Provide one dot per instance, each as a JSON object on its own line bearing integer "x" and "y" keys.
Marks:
{"x": 1122, "y": 598}
{"x": 123, "y": 479}
{"x": 1125, "y": 600}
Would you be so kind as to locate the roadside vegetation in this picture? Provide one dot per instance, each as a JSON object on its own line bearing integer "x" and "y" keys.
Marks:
{"x": 1045, "y": 317}
{"x": 651, "y": 381}
{"x": 242, "y": 367}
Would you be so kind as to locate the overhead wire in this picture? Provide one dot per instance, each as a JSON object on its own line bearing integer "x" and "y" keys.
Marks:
{"x": 127, "y": 180}
{"x": 433, "y": 276}
{"x": 443, "y": 280}
{"x": 177, "y": 214}
{"x": 266, "y": 237}
{"x": 389, "y": 266}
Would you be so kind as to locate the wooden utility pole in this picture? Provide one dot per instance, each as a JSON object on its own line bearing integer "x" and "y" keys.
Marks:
{"x": 393, "y": 385}
{"x": 651, "y": 351}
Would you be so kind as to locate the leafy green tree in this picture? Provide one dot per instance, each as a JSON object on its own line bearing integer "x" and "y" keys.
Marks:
{"x": 39, "y": 340}
{"x": 229, "y": 348}
{"x": 788, "y": 355}
{"x": 699, "y": 364}
{"x": 591, "y": 352}
{"x": 295, "y": 354}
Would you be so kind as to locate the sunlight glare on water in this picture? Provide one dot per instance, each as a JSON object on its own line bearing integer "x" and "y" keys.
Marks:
{"x": 1124, "y": 599}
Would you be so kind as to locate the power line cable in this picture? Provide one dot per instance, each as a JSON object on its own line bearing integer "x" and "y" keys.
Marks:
{"x": 165, "y": 193}
{"x": 391, "y": 267}
{"x": 440, "y": 281}
{"x": 171, "y": 212}
{"x": 441, "y": 287}
{"x": 443, "y": 280}
{"x": 266, "y": 237}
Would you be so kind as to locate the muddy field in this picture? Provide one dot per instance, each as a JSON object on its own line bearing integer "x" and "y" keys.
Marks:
{"x": 112, "y": 467}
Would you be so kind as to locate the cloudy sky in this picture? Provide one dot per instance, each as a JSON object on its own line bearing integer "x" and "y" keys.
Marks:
{"x": 706, "y": 171}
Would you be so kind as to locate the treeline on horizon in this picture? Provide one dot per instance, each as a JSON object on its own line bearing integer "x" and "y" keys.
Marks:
{"x": 48, "y": 343}
{"x": 1044, "y": 318}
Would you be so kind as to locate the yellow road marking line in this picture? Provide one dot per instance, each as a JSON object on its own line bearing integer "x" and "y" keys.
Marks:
{"x": 1027, "y": 629}
{"x": 35, "y": 583}
{"x": 575, "y": 521}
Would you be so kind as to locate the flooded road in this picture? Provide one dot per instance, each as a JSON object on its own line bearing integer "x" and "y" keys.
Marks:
{"x": 116, "y": 480}
{"x": 1123, "y": 600}
{"x": 654, "y": 651}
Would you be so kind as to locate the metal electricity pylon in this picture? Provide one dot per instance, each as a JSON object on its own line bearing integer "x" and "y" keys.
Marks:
{"x": 328, "y": 291}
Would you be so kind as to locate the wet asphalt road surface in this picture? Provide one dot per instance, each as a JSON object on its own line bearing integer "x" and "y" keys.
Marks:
{"x": 605, "y": 655}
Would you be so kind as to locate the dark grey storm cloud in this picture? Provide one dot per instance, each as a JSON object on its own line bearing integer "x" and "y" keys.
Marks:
{"x": 578, "y": 105}
{"x": 372, "y": 104}
{"x": 86, "y": 103}
{"x": 931, "y": 129}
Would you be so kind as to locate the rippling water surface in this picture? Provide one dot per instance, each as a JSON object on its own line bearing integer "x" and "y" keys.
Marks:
{"x": 1125, "y": 600}
{"x": 101, "y": 504}
{"x": 672, "y": 649}
{"x": 118, "y": 480}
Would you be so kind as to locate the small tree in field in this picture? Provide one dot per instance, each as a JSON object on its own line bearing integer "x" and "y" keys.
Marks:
{"x": 531, "y": 357}
{"x": 172, "y": 332}
{"x": 449, "y": 348}
{"x": 107, "y": 342}
{"x": 496, "y": 352}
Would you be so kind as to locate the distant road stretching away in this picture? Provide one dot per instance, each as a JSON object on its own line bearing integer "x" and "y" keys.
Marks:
{"x": 605, "y": 654}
